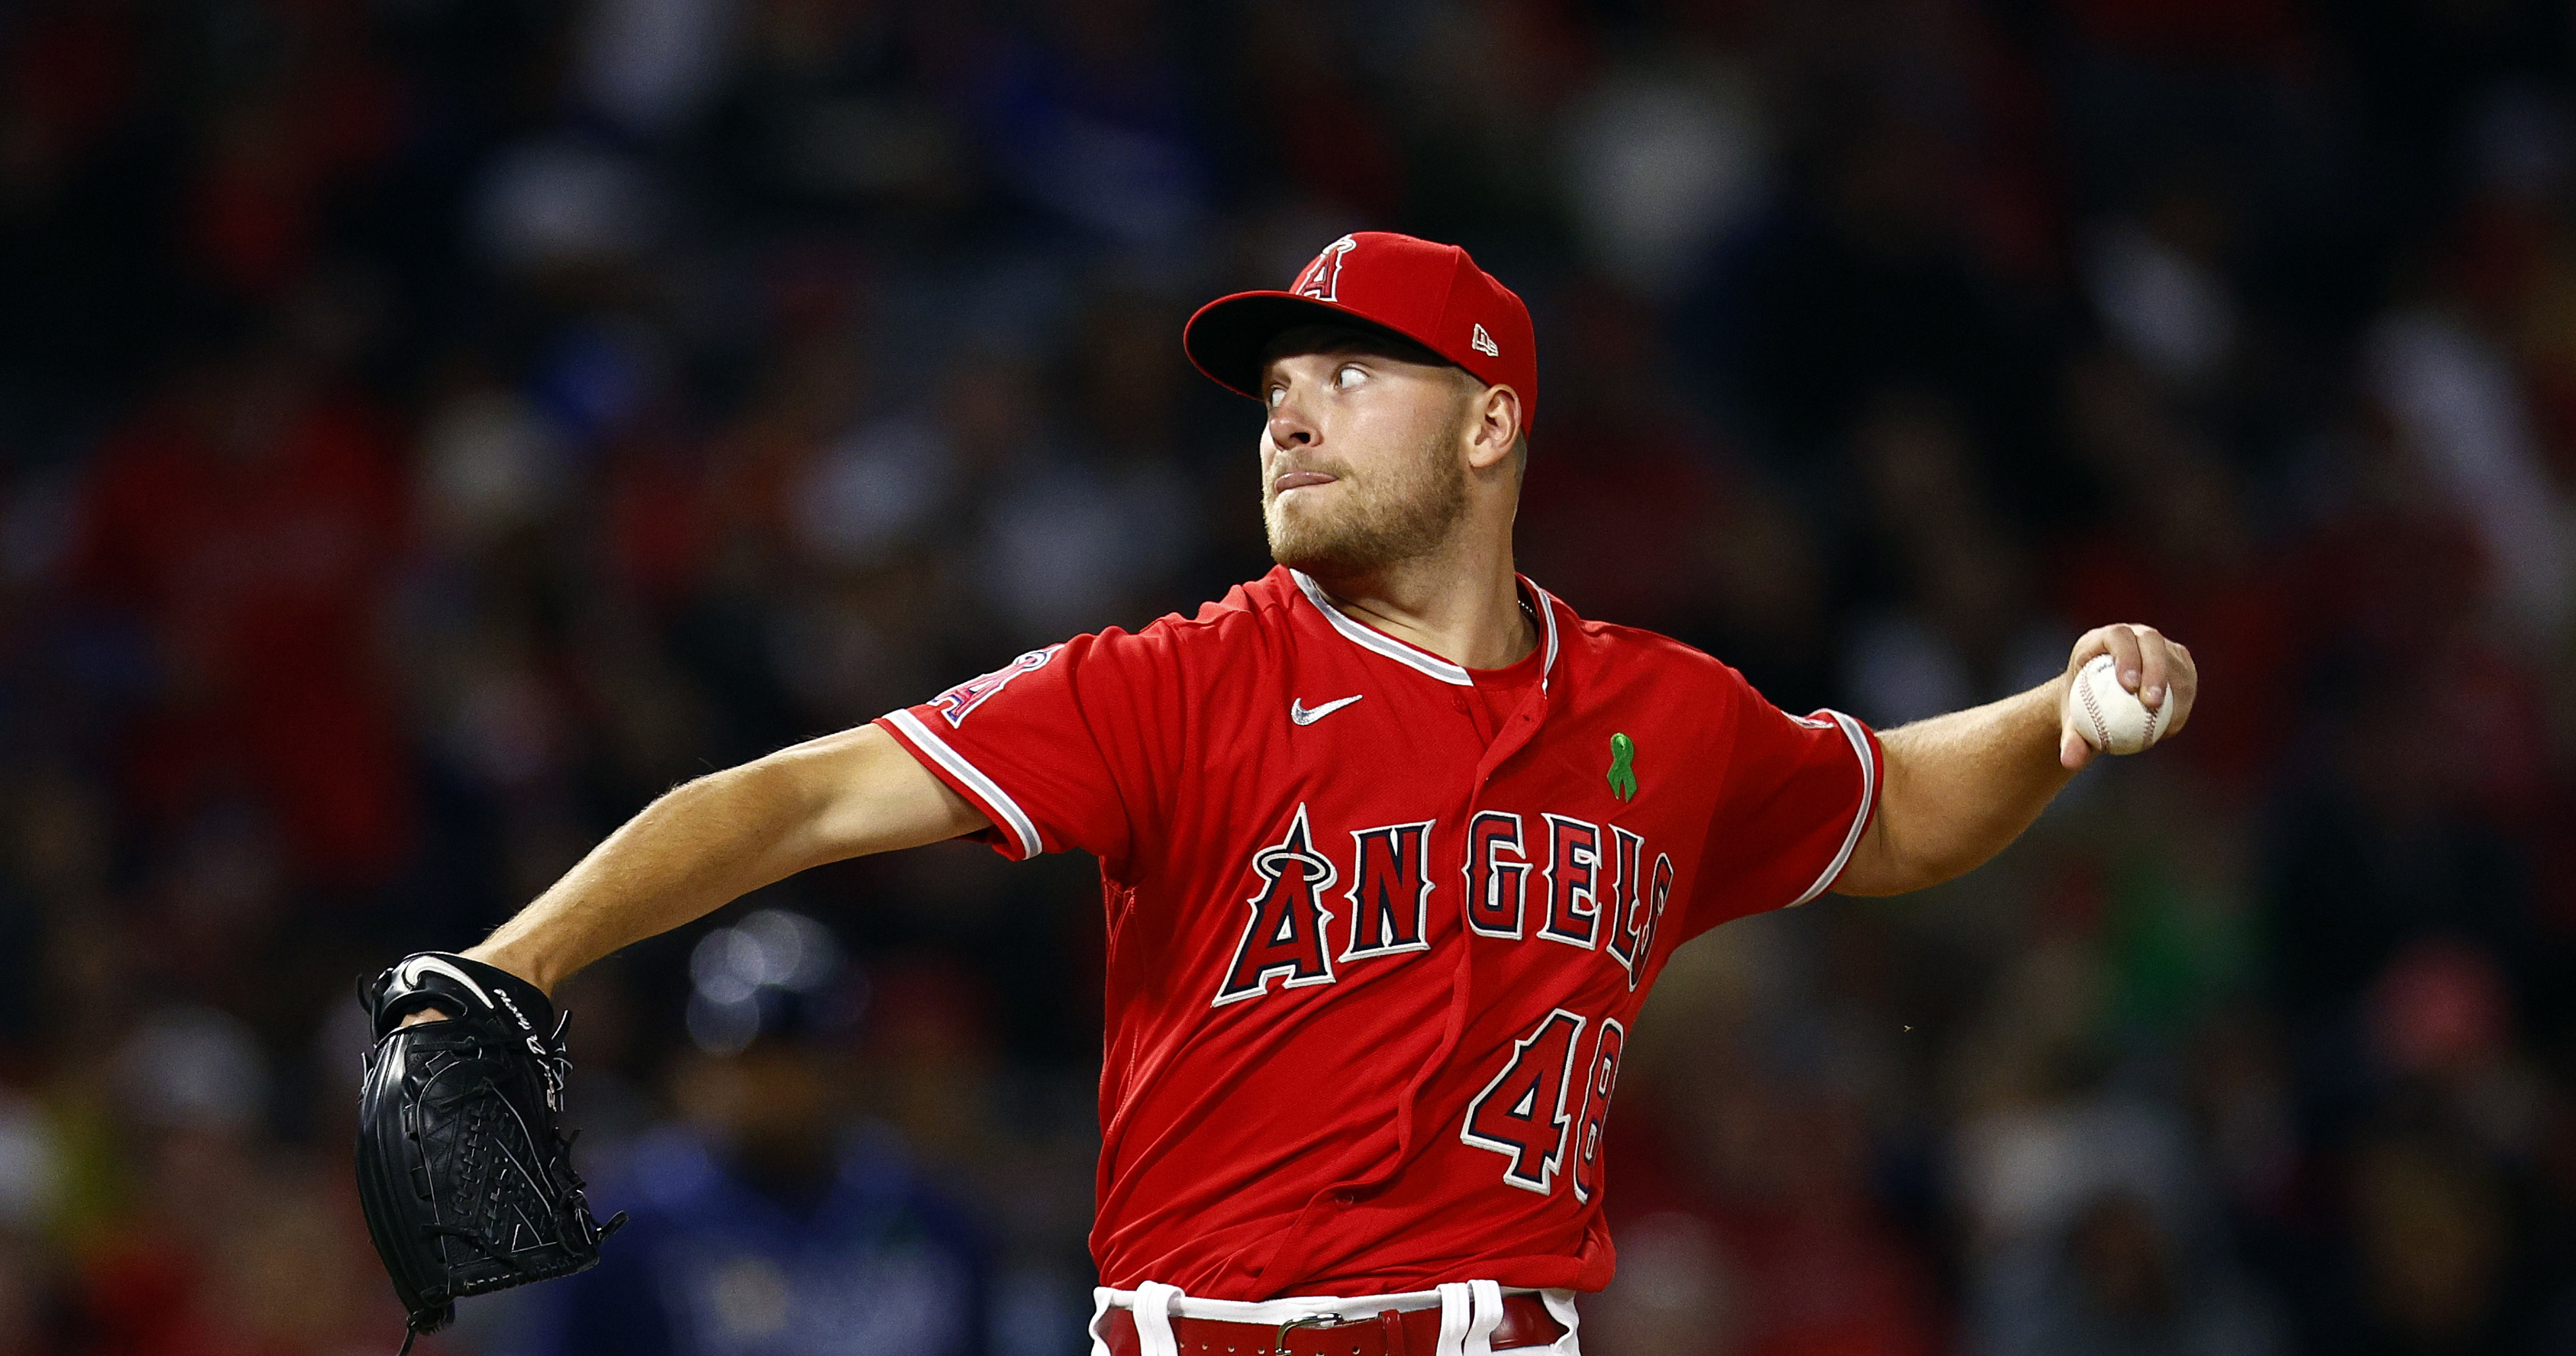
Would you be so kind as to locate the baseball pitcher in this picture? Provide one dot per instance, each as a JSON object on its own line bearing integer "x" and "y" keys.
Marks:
{"x": 1392, "y": 844}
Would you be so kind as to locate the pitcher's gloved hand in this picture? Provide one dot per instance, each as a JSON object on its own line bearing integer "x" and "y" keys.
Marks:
{"x": 463, "y": 1171}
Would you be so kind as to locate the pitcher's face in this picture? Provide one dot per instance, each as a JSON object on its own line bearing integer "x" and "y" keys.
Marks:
{"x": 1362, "y": 457}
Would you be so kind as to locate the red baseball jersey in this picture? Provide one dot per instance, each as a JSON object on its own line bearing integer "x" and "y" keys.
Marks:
{"x": 1370, "y": 969}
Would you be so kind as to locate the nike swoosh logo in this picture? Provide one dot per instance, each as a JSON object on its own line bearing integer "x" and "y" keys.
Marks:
{"x": 409, "y": 975}
{"x": 1303, "y": 714}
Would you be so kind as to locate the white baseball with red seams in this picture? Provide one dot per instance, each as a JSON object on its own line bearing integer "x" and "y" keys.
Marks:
{"x": 2110, "y": 717}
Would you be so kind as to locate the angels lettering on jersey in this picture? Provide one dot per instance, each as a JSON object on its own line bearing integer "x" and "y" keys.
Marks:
{"x": 1571, "y": 882}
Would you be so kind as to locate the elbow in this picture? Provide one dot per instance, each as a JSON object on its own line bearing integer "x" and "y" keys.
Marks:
{"x": 1891, "y": 880}
{"x": 1897, "y": 879}
{"x": 1926, "y": 873}
{"x": 767, "y": 811}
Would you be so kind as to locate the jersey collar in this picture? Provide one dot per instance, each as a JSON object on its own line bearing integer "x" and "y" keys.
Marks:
{"x": 1546, "y": 615}
{"x": 1370, "y": 638}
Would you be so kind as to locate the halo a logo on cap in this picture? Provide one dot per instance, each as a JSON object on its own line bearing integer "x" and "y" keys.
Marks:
{"x": 1322, "y": 279}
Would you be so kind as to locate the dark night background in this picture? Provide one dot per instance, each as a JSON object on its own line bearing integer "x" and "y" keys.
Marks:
{"x": 430, "y": 428}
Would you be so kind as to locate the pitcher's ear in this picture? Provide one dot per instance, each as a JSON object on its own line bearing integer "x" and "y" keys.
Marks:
{"x": 1495, "y": 433}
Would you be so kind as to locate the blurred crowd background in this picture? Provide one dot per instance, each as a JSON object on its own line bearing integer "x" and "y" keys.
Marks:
{"x": 430, "y": 428}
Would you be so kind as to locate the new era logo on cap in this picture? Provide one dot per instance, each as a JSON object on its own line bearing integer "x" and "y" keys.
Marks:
{"x": 1417, "y": 288}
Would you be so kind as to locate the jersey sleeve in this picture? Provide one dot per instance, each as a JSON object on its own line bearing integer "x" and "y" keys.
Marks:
{"x": 1058, "y": 747}
{"x": 1798, "y": 792}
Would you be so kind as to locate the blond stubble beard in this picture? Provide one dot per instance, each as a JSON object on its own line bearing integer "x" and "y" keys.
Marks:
{"x": 1411, "y": 517}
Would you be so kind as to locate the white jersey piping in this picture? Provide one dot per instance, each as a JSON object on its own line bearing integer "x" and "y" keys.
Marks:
{"x": 1868, "y": 794}
{"x": 1013, "y": 817}
{"x": 1455, "y": 675}
{"x": 1366, "y": 638}
{"x": 1547, "y": 611}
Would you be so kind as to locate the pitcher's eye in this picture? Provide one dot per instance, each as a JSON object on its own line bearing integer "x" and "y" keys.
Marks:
{"x": 1277, "y": 394}
{"x": 1349, "y": 376}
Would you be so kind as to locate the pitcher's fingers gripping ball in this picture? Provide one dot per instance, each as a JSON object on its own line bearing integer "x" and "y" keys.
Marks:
{"x": 2108, "y": 716}
{"x": 464, "y": 1174}
{"x": 2127, "y": 688}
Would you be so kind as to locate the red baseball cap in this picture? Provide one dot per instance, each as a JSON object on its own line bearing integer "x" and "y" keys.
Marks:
{"x": 1429, "y": 293}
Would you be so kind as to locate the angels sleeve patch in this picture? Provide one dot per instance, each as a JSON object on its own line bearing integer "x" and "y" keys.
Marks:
{"x": 959, "y": 702}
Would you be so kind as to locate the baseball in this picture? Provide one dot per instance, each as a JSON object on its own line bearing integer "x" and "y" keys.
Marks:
{"x": 2109, "y": 716}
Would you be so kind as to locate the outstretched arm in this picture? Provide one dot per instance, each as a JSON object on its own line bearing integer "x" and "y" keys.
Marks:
{"x": 1961, "y": 787}
{"x": 708, "y": 841}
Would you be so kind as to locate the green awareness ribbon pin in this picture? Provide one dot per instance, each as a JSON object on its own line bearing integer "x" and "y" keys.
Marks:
{"x": 1623, "y": 773}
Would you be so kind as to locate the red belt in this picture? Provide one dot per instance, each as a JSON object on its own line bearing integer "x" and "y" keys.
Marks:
{"x": 1526, "y": 1323}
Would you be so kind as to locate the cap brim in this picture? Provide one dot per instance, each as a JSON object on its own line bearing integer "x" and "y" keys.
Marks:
{"x": 1230, "y": 336}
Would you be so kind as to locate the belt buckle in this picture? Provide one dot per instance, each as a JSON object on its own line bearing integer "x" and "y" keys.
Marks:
{"x": 1279, "y": 1339}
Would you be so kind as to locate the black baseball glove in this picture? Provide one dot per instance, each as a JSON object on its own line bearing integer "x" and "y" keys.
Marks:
{"x": 463, "y": 1170}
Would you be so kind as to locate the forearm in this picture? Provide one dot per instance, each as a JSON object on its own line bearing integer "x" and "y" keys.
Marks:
{"x": 1959, "y": 788}
{"x": 712, "y": 840}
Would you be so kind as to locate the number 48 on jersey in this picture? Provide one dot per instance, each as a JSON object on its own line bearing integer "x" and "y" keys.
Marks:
{"x": 1522, "y": 1113}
